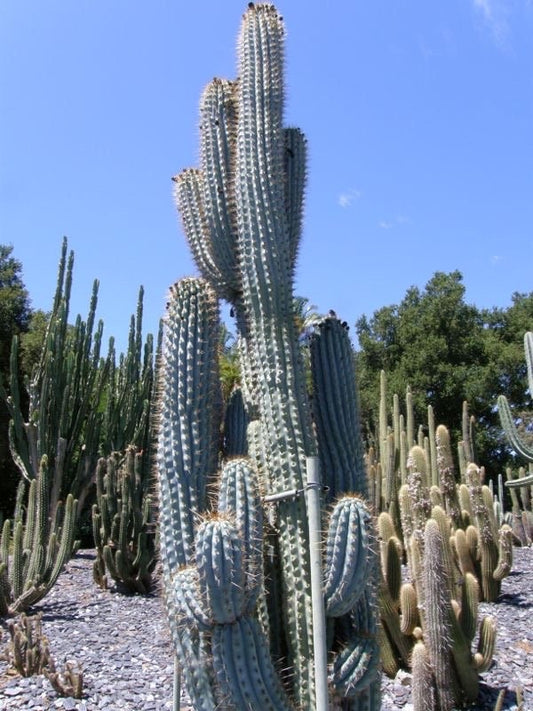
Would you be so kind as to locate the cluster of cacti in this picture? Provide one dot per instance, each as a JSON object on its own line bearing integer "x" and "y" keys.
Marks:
{"x": 28, "y": 650}
{"x": 81, "y": 407}
{"x": 65, "y": 394}
{"x": 123, "y": 522}
{"x": 123, "y": 517}
{"x": 429, "y": 621}
{"x": 128, "y": 391}
{"x": 69, "y": 682}
{"x": 466, "y": 500}
{"x": 457, "y": 552}
{"x": 29, "y": 653}
{"x": 35, "y": 546}
{"x": 236, "y": 565}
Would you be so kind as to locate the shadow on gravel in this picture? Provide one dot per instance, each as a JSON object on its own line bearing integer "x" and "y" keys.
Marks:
{"x": 66, "y": 611}
{"x": 514, "y": 600}
{"x": 489, "y": 696}
{"x": 84, "y": 555}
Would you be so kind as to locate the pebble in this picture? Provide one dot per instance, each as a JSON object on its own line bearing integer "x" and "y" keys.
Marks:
{"x": 123, "y": 646}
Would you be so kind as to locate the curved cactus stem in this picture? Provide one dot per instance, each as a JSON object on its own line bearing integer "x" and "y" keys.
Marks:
{"x": 346, "y": 555}
{"x": 219, "y": 559}
{"x": 355, "y": 666}
{"x": 239, "y": 496}
{"x": 507, "y": 420}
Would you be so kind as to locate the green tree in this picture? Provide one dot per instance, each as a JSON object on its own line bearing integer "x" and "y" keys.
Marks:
{"x": 14, "y": 319}
{"x": 32, "y": 341}
{"x": 447, "y": 351}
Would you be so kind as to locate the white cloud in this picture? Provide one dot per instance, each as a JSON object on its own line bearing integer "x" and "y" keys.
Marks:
{"x": 398, "y": 220}
{"x": 496, "y": 259}
{"x": 347, "y": 198}
{"x": 494, "y": 14}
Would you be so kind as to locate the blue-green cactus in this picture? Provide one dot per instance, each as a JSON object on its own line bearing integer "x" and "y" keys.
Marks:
{"x": 232, "y": 623}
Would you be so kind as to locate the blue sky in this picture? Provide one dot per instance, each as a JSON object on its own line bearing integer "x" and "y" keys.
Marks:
{"x": 418, "y": 114}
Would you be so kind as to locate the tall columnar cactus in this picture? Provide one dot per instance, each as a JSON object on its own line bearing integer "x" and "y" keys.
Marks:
{"x": 233, "y": 625}
{"x": 506, "y": 417}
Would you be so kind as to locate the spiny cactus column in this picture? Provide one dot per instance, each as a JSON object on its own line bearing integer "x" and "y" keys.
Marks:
{"x": 242, "y": 216}
{"x": 246, "y": 206}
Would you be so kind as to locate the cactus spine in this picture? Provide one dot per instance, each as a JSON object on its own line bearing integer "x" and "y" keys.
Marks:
{"x": 242, "y": 216}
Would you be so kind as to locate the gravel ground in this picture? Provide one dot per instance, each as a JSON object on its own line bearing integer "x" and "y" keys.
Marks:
{"x": 124, "y": 648}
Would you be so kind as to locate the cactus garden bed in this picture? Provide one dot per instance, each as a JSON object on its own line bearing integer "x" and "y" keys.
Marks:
{"x": 124, "y": 647}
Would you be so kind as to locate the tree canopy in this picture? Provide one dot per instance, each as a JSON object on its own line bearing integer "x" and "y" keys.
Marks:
{"x": 14, "y": 320}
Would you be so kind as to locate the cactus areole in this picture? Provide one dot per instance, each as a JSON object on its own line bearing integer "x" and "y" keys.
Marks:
{"x": 236, "y": 564}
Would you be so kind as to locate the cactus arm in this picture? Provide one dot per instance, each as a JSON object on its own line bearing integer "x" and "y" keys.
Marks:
{"x": 188, "y": 193}
{"x": 295, "y": 171}
{"x": 236, "y": 422}
{"x": 438, "y": 614}
{"x": 217, "y": 138}
{"x": 423, "y": 681}
{"x": 506, "y": 417}
{"x": 239, "y": 495}
{"x": 346, "y": 567}
{"x": 188, "y": 427}
{"x": 188, "y": 416}
{"x": 355, "y": 666}
{"x": 507, "y": 421}
{"x": 219, "y": 559}
{"x": 335, "y": 409}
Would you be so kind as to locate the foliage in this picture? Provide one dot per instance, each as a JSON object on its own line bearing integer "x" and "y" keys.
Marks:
{"x": 14, "y": 320}
{"x": 14, "y": 303}
{"x": 32, "y": 341}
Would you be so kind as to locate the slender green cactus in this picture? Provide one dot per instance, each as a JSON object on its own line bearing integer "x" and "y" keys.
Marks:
{"x": 506, "y": 417}
{"x": 40, "y": 547}
{"x": 242, "y": 213}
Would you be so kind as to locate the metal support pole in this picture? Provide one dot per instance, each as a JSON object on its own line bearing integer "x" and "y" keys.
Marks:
{"x": 176, "y": 701}
{"x": 317, "y": 596}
